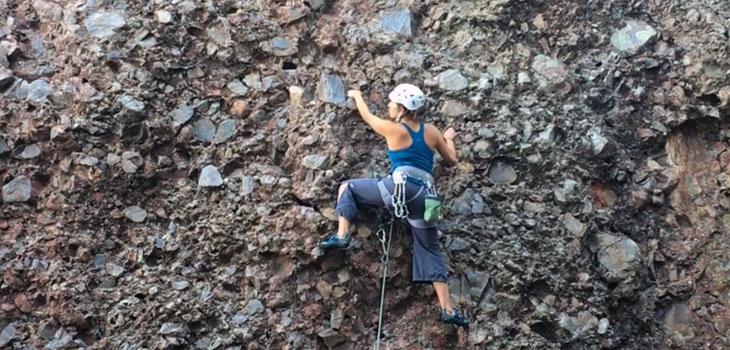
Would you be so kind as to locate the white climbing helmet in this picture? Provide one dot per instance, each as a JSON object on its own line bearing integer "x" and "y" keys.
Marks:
{"x": 410, "y": 96}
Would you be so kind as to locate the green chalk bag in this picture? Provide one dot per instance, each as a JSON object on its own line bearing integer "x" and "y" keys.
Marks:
{"x": 432, "y": 212}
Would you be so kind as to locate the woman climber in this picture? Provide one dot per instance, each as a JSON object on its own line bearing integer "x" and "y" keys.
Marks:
{"x": 411, "y": 145}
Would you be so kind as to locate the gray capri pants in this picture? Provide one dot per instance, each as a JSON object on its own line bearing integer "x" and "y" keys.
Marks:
{"x": 428, "y": 262}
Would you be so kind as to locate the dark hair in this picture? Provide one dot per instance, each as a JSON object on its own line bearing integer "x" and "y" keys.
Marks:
{"x": 412, "y": 114}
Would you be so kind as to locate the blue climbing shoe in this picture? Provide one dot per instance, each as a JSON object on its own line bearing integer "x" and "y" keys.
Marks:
{"x": 456, "y": 318}
{"x": 336, "y": 242}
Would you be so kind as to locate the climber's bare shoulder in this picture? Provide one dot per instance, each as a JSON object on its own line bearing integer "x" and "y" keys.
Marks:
{"x": 432, "y": 135}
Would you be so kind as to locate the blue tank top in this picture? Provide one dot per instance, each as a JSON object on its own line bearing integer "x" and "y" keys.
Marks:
{"x": 418, "y": 154}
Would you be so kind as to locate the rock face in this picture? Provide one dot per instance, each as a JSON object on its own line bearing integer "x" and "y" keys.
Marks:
{"x": 168, "y": 167}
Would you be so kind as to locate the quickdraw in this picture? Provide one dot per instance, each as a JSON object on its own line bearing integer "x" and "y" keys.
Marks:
{"x": 400, "y": 209}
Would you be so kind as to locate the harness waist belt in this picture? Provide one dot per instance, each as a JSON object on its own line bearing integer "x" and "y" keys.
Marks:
{"x": 415, "y": 173}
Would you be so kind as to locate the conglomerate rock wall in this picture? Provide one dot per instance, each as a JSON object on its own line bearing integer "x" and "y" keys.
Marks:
{"x": 167, "y": 168}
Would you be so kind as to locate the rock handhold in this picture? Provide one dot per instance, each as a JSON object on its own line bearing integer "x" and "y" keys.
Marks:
{"x": 255, "y": 306}
{"x": 6, "y": 78}
{"x": 27, "y": 152}
{"x": 501, "y": 173}
{"x": 618, "y": 256}
{"x": 38, "y": 90}
{"x": 104, "y": 24}
{"x": 163, "y": 16}
{"x": 210, "y": 177}
{"x": 481, "y": 147}
{"x": 204, "y": 130}
{"x": 452, "y": 80}
{"x": 574, "y": 226}
{"x": 131, "y": 161}
{"x": 7, "y": 334}
{"x": 172, "y": 328}
{"x": 220, "y": 34}
{"x": 547, "y": 136}
{"x": 237, "y": 87}
{"x": 295, "y": 95}
{"x": 577, "y": 326}
{"x": 632, "y": 37}
{"x": 314, "y": 161}
{"x": 602, "y": 326}
{"x": 131, "y": 103}
{"x": 114, "y": 269}
{"x": 248, "y": 184}
{"x": 331, "y": 89}
{"x": 135, "y": 213}
{"x": 180, "y": 285}
{"x": 599, "y": 144}
{"x": 549, "y": 71}
{"x": 331, "y": 337}
{"x": 292, "y": 14}
{"x": 336, "y": 318}
{"x": 678, "y": 321}
{"x": 17, "y": 190}
{"x": 453, "y": 108}
{"x": 568, "y": 192}
{"x": 281, "y": 47}
{"x": 397, "y": 21}
{"x": 226, "y": 129}
{"x": 87, "y": 160}
{"x": 182, "y": 114}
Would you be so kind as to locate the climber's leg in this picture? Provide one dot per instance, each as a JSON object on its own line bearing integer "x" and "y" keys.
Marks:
{"x": 442, "y": 292}
{"x": 429, "y": 266}
{"x": 351, "y": 194}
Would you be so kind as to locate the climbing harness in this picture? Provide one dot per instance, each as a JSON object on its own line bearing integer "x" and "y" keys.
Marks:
{"x": 386, "y": 255}
{"x": 398, "y": 202}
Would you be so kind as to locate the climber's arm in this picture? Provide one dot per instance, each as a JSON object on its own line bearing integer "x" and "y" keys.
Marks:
{"x": 383, "y": 127}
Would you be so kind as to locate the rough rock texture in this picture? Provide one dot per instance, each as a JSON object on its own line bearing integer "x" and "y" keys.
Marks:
{"x": 590, "y": 209}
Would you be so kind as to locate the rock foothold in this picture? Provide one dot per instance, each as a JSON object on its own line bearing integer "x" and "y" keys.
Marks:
{"x": 210, "y": 177}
